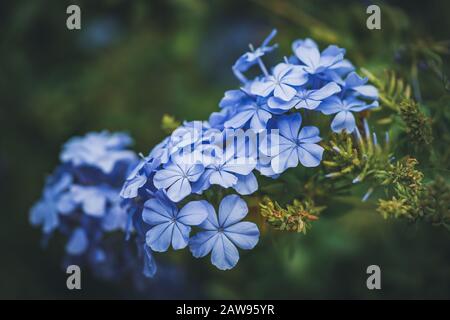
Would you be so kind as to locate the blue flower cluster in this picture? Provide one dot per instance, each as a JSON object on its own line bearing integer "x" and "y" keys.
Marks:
{"x": 81, "y": 198}
{"x": 259, "y": 128}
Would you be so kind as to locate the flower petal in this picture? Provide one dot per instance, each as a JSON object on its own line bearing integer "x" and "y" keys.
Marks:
{"x": 284, "y": 92}
{"x": 331, "y": 105}
{"x": 285, "y": 159}
{"x": 180, "y": 236}
{"x": 202, "y": 243}
{"x": 245, "y": 234}
{"x": 179, "y": 190}
{"x": 263, "y": 88}
{"x": 149, "y": 269}
{"x": 223, "y": 178}
{"x": 326, "y": 91}
{"x": 131, "y": 186}
{"x": 194, "y": 172}
{"x": 239, "y": 165}
{"x": 78, "y": 242}
{"x": 309, "y": 134}
{"x": 210, "y": 223}
{"x": 164, "y": 178}
{"x": 310, "y": 154}
{"x": 344, "y": 120}
{"x": 224, "y": 253}
{"x": 289, "y": 125}
{"x": 193, "y": 213}
{"x": 157, "y": 211}
{"x": 309, "y": 55}
{"x": 246, "y": 184}
{"x": 231, "y": 210}
{"x": 159, "y": 237}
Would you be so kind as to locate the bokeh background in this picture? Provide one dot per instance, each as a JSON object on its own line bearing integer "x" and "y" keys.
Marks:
{"x": 133, "y": 61}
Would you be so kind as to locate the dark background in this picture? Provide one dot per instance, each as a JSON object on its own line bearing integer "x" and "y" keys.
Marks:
{"x": 135, "y": 60}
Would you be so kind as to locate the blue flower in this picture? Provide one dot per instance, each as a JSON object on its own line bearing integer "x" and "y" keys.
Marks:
{"x": 306, "y": 99}
{"x": 217, "y": 119}
{"x": 46, "y": 212}
{"x": 227, "y": 171}
{"x": 81, "y": 199}
{"x": 139, "y": 177}
{"x": 344, "y": 119}
{"x": 253, "y": 57}
{"x": 168, "y": 225}
{"x": 150, "y": 266}
{"x": 254, "y": 113}
{"x": 176, "y": 177}
{"x": 359, "y": 86}
{"x": 282, "y": 83}
{"x": 222, "y": 234}
{"x": 315, "y": 62}
{"x": 292, "y": 145}
{"x": 99, "y": 150}
{"x": 92, "y": 200}
{"x": 78, "y": 242}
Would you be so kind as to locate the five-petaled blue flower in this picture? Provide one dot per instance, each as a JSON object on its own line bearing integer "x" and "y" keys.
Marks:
{"x": 222, "y": 234}
{"x": 292, "y": 145}
{"x": 226, "y": 170}
{"x": 344, "y": 119}
{"x": 168, "y": 225}
{"x": 282, "y": 83}
{"x": 316, "y": 62}
{"x": 176, "y": 177}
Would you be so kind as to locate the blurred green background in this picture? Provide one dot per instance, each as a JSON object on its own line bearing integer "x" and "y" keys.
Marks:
{"x": 133, "y": 61}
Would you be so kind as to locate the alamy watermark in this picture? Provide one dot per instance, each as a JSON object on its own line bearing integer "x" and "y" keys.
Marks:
{"x": 373, "y": 22}
{"x": 73, "y": 281}
{"x": 374, "y": 280}
{"x": 73, "y": 21}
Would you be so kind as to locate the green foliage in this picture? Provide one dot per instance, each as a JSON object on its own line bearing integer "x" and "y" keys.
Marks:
{"x": 436, "y": 202}
{"x": 417, "y": 124}
{"x": 355, "y": 159}
{"x": 392, "y": 88}
{"x": 395, "y": 94}
{"x": 411, "y": 198}
{"x": 406, "y": 183}
{"x": 296, "y": 217}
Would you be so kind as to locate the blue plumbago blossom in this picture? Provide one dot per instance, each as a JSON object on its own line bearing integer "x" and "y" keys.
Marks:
{"x": 325, "y": 64}
{"x": 81, "y": 199}
{"x": 344, "y": 119}
{"x": 228, "y": 171}
{"x": 168, "y": 225}
{"x": 221, "y": 235}
{"x": 175, "y": 178}
{"x": 282, "y": 83}
{"x": 292, "y": 144}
